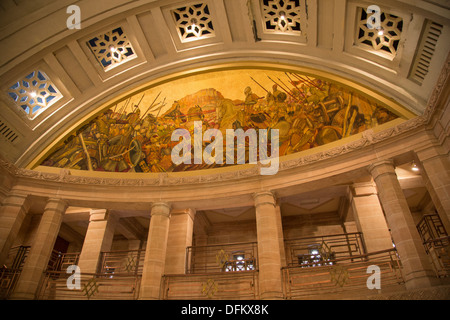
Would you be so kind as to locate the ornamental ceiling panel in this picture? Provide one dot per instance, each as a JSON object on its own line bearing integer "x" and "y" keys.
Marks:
{"x": 134, "y": 134}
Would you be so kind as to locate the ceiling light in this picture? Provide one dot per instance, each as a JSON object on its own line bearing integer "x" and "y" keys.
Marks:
{"x": 414, "y": 167}
{"x": 282, "y": 15}
{"x": 380, "y": 31}
{"x": 33, "y": 94}
{"x": 112, "y": 48}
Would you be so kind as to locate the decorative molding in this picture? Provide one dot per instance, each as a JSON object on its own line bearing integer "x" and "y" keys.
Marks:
{"x": 369, "y": 138}
{"x": 430, "y": 109}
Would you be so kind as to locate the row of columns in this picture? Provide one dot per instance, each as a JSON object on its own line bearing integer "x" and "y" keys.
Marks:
{"x": 170, "y": 232}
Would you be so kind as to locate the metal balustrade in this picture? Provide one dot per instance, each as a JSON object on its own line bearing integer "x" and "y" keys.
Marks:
{"x": 436, "y": 242}
{"x": 10, "y": 272}
{"x": 58, "y": 285}
{"x": 321, "y": 250}
{"x": 122, "y": 261}
{"x": 61, "y": 261}
{"x": 343, "y": 277}
{"x": 218, "y": 285}
{"x": 229, "y": 257}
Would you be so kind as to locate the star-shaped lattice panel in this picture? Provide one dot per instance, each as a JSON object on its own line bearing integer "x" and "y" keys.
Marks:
{"x": 34, "y": 93}
{"x": 386, "y": 38}
{"x": 281, "y": 15}
{"x": 111, "y": 48}
{"x": 193, "y": 22}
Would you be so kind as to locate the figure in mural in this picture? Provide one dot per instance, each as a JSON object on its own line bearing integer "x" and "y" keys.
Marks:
{"x": 308, "y": 112}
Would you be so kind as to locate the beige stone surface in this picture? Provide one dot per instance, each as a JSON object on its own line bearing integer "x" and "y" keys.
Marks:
{"x": 41, "y": 249}
{"x": 416, "y": 266}
{"x": 155, "y": 254}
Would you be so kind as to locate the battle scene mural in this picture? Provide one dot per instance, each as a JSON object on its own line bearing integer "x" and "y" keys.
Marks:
{"x": 134, "y": 135}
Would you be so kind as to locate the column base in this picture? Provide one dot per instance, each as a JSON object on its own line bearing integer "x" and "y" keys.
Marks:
{"x": 21, "y": 296}
{"x": 422, "y": 282}
{"x": 271, "y": 295}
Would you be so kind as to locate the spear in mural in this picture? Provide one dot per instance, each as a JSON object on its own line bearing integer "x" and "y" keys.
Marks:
{"x": 305, "y": 80}
{"x": 137, "y": 105}
{"x": 150, "y": 106}
{"x": 88, "y": 157}
{"x": 281, "y": 87}
{"x": 160, "y": 108}
{"x": 293, "y": 82}
{"x": 123, "y": 108}
{"x": 290, "y": 92}
{"x": 259, "y": 85}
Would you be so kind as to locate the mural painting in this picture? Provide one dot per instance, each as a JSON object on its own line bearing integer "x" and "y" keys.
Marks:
{"x": 135, "y": 134}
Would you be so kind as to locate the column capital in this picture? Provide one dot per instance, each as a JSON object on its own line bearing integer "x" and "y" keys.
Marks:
{"x": 190, "y": 212}
{"x": 430, "y": 152}
{"x": 381, "y": 167}
{"x": 264, "y": 197}
{"x": 57, "y": 204}
{"x": 98, "y": 214}
{"x": 161, "y": 209}
{"x": 17, "y": 200}
{"x": 363, "y": 189}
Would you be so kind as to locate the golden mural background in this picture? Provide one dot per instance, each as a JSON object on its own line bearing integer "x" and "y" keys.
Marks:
{"x": 134, "y": 135}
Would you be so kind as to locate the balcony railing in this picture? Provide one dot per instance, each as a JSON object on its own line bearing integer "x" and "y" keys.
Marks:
{"x": 8, "y": 280}
{"x": 431, "y": 227}
{"x": 439, "y": 252}
{"x": 9, "y": 274}
{"x": 342, "y": 276}
{"x": 61, "y": 261}
{"x": 218, "y": 285}
{"x": 321, "y": 250}
{"x": 122, "y": 262}
{"x": 57, "y": 285}
{"x": 436, "y": 242}
{"x": 228, "y": 257}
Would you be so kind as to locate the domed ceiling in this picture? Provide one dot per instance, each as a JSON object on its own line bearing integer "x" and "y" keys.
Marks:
{"x": 133, "y": 134}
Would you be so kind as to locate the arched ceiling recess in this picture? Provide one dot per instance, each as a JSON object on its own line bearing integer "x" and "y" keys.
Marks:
{"x": 310, "y": 110}
{"x": 159, "y": 43}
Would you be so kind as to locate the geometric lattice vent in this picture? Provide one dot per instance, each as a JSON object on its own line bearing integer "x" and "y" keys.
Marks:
{"x": 34, "y": 93}
{"x": 386, "y": 38}
{"x": 193, "y": 22}
{"x": 7, "y": 133}
{"x": 281, "y": 16}
{"x": 112, "y": 48}
{"x": 425, "y": 51}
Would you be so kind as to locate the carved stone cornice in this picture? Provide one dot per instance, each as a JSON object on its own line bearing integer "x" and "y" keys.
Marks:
{"x": 368, "y": 138}
{"x": 430, "y": 109}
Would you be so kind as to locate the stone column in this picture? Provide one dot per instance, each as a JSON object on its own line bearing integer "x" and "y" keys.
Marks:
{"x": 416, "y": 266}
{"x": 98, "y": 239}
{"x": 12, "y": 215}
{"x": 41, "y": 249}
{"x": 269, "y": 257}
{"x": 280, "y": 235}
{"x": 369, "y": 217}
{"x": 436, "y": 174}
{"x": 155, "y": 253}
{"x": 180, "y": 237}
